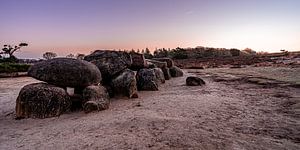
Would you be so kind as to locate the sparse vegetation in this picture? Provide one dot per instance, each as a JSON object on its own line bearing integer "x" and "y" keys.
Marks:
{"x": 80, "y": 56}
{"x": 49, "y": 55}
{"x": 70, "y": 56}
{"x": 13, "y": 67}
{"x": 7, "y": 53}
{"x": 11, "y": 49}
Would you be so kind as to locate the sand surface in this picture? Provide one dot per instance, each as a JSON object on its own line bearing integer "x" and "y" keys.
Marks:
{"x": 215, "y": 116}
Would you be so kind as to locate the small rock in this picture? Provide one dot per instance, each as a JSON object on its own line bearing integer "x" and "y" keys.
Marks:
{"x": 96, "y": 98}
{"x": 194, "y": 81}
{"x": 176, "y": 72}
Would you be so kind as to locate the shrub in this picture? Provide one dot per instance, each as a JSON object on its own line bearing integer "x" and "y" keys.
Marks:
{"x": 13, "y": 67}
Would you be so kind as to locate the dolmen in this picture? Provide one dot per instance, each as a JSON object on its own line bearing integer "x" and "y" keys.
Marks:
{"x": 69, "y": 84}
{"x": 50, "y": 97}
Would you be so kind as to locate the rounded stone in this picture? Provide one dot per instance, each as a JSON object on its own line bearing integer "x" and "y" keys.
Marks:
{"x": 42, "y": 100}
{"x": 66, "y": 72}
{"x": 194, "y": 81}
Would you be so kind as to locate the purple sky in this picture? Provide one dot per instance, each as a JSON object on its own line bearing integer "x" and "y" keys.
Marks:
{"x": 80, "y": 26}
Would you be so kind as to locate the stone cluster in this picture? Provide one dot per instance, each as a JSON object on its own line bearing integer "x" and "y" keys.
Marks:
{"x": 71, "y": 84}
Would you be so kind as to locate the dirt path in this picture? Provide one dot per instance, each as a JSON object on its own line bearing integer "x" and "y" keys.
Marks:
{"x": 219, "y": 115}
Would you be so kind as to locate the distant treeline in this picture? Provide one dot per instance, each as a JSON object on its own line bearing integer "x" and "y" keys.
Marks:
{"x": 194, "y": 53}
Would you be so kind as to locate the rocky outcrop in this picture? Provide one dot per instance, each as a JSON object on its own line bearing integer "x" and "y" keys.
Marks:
{"x": 176, "y": 72}
{"x": 159, "y": 75}
{"x": 146, "y": 80}
{"x": 169, "y": 61}
{"x": 95, "y": 99}
{"x": 42, "y": 100}
{"x": 66, "y": 72}
{"x": 138, "y": 61}
{"x": 194, "y": 81}
{"x": 74, "y": 85}
{"x": 110, "y": 63}
{"x": 125, "y": 84}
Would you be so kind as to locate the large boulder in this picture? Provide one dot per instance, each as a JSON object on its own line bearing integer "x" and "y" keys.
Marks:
{"x": 66, "y": 72}
{"x": 194, "y": 81}
{"x": 110, "y": 63}
{"x": 159, "y": 75}
{"x": 138, "y": 61}
{"x": 176, "y": 72}
{"x": 125, "y": 84}
{"x": 146, "y": 80}
{"x": 42, "y": 100}
{"x": 95, "y": 98}
{"x": 169, "y": 61}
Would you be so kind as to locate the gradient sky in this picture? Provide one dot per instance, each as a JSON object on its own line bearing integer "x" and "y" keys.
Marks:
{"x": 80, "y": 26}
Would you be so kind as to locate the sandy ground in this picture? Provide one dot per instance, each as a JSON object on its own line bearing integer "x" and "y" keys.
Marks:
{"x": 219, "y": 115}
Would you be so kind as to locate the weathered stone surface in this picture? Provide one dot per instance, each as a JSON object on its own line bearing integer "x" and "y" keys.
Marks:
{"x": 42, "y": 100}
{"x": 194, "y": 81}
{"x": 159, "y": 75}
{"x": 150, "y": 65}
{"x": 146, "y": 80}
{"x": 91, "y": 106}
{"x": 159, "y": 64}
{"x": 176, "y": 72}
{"x": 95, "y": 98}
{"x": 162, "y": 66}
{"x": 169, "y": 61}
{"x": 110, "y": 63}
{"x": 66, "y": 72}
{"x": 125, "y": 84}
{"x": 166, "y": 72}
{"x": 138, "y": 61}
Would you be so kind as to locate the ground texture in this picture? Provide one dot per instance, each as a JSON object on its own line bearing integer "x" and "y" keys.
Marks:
{"x": 229, "y": 112}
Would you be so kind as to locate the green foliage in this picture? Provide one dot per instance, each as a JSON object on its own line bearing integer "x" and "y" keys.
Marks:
{"x": 11, "y": 59}
{"x": 147, "y": 53}
{"x": 178, "y": 53}
{"x": 160, "y": 53}
{"x": 49, "y": 55}
{"x": 193, "y": 53}
{"x": 13, "y": 67}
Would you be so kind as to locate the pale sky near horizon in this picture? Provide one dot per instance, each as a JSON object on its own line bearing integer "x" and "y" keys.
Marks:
{"x": 81, "y": 26}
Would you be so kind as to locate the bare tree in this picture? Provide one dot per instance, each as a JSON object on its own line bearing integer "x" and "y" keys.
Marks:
{"x": 80, "y": 56}
{"x": 49, "y": 55}
{"x": 10, "y": 49}
{"x": 70, "y": 56}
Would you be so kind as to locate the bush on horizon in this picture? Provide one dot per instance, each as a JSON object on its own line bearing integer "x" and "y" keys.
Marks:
{"x": 13, "y": 67}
